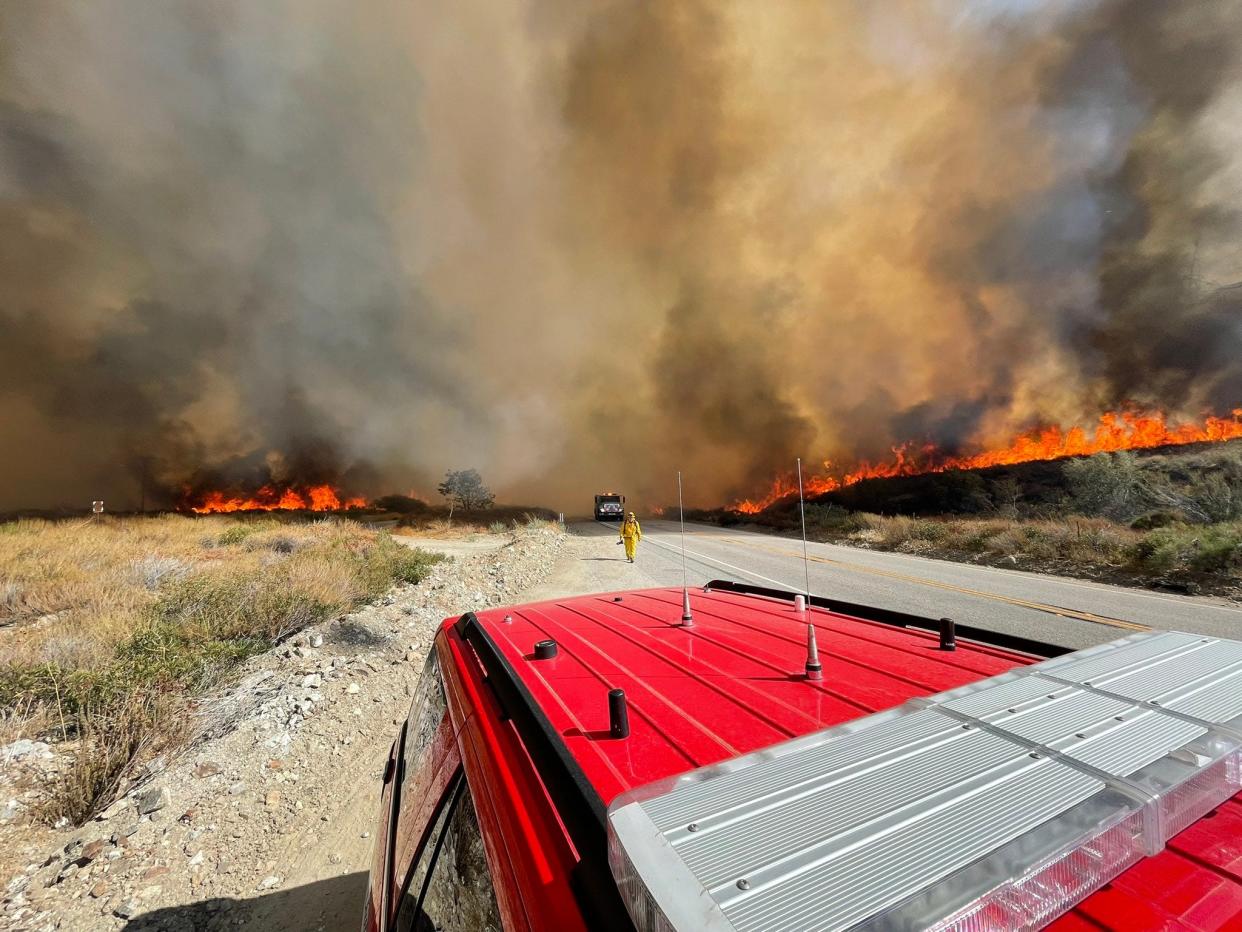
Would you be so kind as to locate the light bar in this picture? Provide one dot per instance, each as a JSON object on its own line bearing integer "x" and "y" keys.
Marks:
{"x": 1000, "y": 804}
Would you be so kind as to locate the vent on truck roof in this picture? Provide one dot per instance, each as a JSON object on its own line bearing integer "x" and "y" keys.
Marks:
{"x": 996, "y": 805}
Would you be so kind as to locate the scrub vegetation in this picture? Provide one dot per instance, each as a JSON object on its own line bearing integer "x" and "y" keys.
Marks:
{"x": 454, "y": 519}
{"x": 109, "y": 626}
{"x": 1170, "y": 520}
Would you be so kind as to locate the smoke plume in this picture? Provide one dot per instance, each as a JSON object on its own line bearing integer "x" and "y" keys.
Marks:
{"x": 585, "y": 244}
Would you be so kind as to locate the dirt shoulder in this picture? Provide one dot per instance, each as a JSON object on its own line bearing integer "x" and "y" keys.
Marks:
{"x": 265, "y": 821}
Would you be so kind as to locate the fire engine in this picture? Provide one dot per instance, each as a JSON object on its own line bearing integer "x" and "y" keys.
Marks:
{"x": 737, "y": 758}
{"x": 609, "y": 506}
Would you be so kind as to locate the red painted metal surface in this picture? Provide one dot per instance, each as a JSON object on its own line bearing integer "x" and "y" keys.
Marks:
{"x": 731, "y": 684}
{"x": 527, "y": 849}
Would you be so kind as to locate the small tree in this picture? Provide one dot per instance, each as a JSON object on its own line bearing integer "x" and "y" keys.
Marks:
{"x": 464, "y": 488}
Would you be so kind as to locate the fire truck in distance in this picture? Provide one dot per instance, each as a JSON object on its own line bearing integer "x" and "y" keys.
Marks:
{"x": 737, "y": 759}
{"x": 609, "y": 506}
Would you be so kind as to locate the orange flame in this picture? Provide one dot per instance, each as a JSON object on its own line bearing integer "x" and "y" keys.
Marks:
{"x": 272, "y": 498}
{"x": 1126, "y": 430}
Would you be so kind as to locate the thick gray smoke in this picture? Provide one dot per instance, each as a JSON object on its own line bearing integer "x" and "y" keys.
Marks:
{"x": 585, "y": 244}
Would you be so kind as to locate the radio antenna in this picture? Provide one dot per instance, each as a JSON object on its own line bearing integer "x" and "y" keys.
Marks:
{"x": 687, "y": 619}
{"x": 806, "y": 563}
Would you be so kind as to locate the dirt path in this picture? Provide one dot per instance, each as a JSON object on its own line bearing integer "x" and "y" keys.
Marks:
{"x": 266, "y": 822}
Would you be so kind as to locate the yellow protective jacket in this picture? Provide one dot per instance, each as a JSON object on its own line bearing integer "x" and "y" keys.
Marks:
{"x": 630, "y": 528}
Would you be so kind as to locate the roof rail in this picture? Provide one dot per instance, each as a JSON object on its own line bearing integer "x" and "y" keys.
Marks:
{"x": 581, "y": 810}
{"x": 900, "y": 619}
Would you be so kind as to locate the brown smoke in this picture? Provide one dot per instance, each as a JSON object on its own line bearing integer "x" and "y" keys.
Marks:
{"x": 585, "y": 244}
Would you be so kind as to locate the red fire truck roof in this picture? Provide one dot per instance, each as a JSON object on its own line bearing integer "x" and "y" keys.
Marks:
{"x": 734, "y": 683}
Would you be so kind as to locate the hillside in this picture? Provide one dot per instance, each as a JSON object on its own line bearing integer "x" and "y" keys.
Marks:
{"x": 1168, "y": 518}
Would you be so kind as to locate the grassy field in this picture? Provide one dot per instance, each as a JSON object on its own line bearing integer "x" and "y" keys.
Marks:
{"x": 108, "y": 626}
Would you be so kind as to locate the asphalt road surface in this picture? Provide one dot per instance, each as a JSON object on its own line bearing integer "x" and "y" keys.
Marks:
{"x": 1071, "y": 612}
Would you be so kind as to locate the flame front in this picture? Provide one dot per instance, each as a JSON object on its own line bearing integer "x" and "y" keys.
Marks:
{"x": 273, "y": 498}
{"x": 1125, "y": 430}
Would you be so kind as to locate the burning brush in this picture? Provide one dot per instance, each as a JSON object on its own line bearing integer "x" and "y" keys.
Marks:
{"x": 271, "y": 497}
{"x": 1125, "y": 430}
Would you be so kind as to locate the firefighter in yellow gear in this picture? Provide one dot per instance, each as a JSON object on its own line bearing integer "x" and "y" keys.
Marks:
{"x": 631, "y": 534}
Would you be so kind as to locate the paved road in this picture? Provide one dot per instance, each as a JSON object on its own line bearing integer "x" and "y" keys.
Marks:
{"x": 1071, "y": 612}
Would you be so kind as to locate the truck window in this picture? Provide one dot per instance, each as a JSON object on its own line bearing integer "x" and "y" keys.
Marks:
{"x": 426, "y": 713}
{"x": 450, "y": 888}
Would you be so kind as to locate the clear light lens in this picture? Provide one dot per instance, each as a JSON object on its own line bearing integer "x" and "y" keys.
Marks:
{"x": 1052, "y": 887}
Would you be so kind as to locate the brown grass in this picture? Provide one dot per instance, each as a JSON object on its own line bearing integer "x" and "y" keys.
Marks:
{"x": 107, "y": 626}
{"x": 1204, "y": 558}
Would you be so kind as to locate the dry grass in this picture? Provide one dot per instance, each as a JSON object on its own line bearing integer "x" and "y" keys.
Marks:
{"x": 107, "y": 626}
{"x": 1204, "y": 557}
{"x": 491, "y": 521}
{"x": 434, "y": 522}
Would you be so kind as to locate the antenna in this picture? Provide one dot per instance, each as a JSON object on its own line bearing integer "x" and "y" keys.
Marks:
{"x": 806, "y": 563}
{"x": 687, "y": 619}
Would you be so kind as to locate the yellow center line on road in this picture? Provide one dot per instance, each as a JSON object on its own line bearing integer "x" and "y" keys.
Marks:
{"x": 935, "y": 584}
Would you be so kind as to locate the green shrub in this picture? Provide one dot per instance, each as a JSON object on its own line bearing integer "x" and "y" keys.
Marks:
{"x": 1181, "y": 548}
{"x": 1153, "y": 520}
{"x": 1107, "y": 484}
{"x": 1159, "y": 552}
{"x": 929, "y": 530}
{"x": 1217, "y": 498}
{"x": 234, "y": 534}
{"x": 831, "y": 520}
{"x": 1218, "y": 549}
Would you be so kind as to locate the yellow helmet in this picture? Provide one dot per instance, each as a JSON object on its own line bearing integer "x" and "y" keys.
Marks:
{"x": 632, "y": 515}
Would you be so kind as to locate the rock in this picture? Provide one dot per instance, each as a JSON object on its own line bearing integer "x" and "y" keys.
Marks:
{"x": 316, "y": 640}
{"x": 91, "y": 851}
{"x": 115, "y": 809}
{"x": 352, "y": 688}
{"x": 153, "y": 799}
{"x": 237, "y": 789}
{"x": 197, "y": 859}
{"x": 125, "y": 910}
{"x": 207, "y": 769}
{"x": 272, "y": 799}
{"x": 269, "y": 882}
{"x": 100, "y": 890}
{"x": 24, "y": 748}
{"x": 151, "y": 873}
{"x": 312, "y": 681}
{"x": 188, "y": 816}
